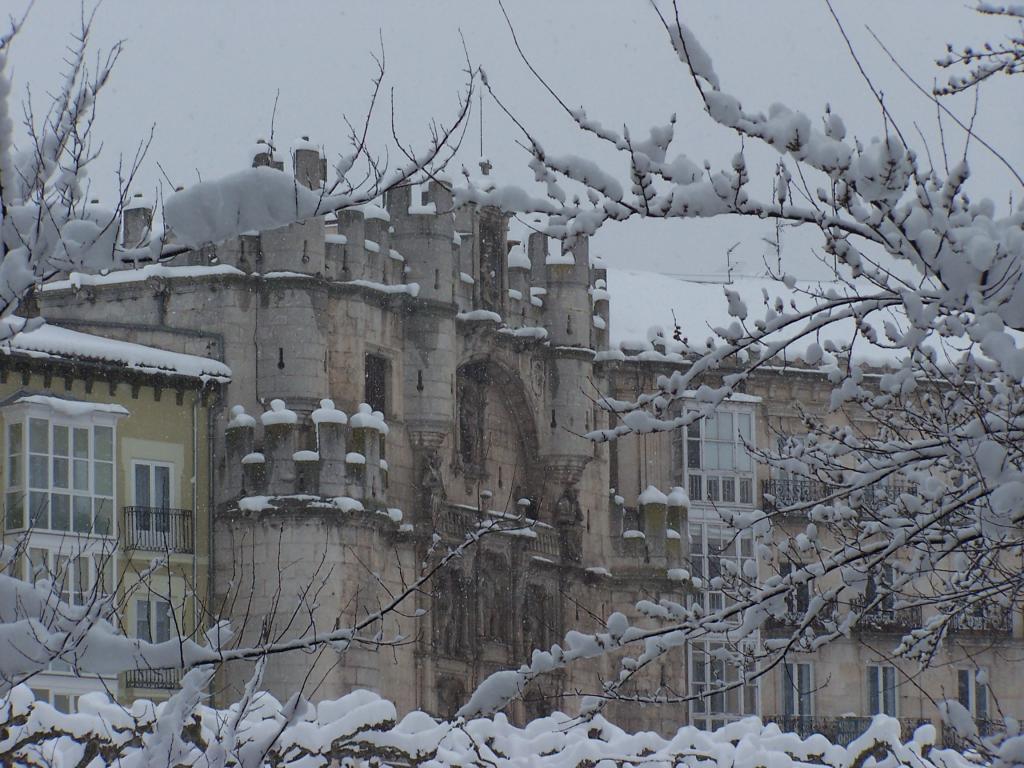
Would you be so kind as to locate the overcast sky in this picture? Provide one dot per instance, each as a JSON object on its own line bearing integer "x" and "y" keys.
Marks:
{"x": 205, "y": 73}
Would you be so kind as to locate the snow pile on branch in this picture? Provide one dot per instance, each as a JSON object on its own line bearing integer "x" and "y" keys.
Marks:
{"x": 362, "y": 728}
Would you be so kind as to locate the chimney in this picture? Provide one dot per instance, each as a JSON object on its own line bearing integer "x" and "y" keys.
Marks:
{"x": 136, "y": 221}
{"x": 310, "y": 166}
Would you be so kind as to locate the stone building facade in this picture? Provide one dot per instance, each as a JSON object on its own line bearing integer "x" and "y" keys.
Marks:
{"x": 402, "y": 376}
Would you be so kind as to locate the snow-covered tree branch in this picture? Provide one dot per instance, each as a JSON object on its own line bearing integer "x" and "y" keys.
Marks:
{"x": 918, "y": 332}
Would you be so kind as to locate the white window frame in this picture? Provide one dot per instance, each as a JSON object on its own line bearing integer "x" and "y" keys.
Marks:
{"x": 711, "y": 711}
{"x": 727, "y": 486}
{"x": 795, "y": 699}
{"x": 876, "y": 674}
{"x": 151, "y": 607}
{"x": 705, "y": 559}
{"x": 62, "y": 567}
{"x": 31, "y": 477}
{"x": 974, "y": 688}
{"x": 150, "y": 529}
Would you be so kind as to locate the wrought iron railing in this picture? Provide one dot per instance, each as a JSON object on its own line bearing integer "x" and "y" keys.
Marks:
{"x": 779, "y": 494}
{"x": 155, "y": 529}
{"x": 838, "y": 730}
{"x": 986, "y": 730}
{"x": 157, "y": 679}
{"x": 994, "y": 620}
{"x": 883, "y": 618}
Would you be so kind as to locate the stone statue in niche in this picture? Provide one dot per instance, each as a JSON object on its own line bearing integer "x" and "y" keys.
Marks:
{"x": 434, "y": 497}
{"x": 537, "y": 619}
{"x": 568, "y": 517}
{"x": 472, "y": 400}
{"x": 494, "y": 599}
{"x": 452, "y": 609}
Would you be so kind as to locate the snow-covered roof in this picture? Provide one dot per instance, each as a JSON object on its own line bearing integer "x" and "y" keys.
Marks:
{"x": 52, "y": 341}
{"x": 644, "y": 306}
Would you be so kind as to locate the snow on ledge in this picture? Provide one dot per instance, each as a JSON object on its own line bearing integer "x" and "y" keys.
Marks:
{"x": 71, "y": 408}
{"x": 52, "y": 341}
{"x": 79, "y": 279}
{"x": 479, "y": 315}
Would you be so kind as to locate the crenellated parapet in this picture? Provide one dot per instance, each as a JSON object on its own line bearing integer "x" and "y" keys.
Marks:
{"x": 346, "y": 460}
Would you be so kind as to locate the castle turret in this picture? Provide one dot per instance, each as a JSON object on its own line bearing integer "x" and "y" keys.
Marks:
{"x": 310, "y": 164}
{"x": 423, "y": 233}
{"x": 239, "y": 444}
{"x": 518, "y": 285}
{"x": 567, "y": 305}
{"x": 377, "y": 243}
{"x": 424, "y": 230}
{"x": 567, "y": 318}
{"x": 345, "y": 464}
{"x": 279, "y": 438}
{"x": 600, "y": 307}
{"x": 347, "y": 250}
{"x": 330, "y": 440}
{"x": 136, "y": 221}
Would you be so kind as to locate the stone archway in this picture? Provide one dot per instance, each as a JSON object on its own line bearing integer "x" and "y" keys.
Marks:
{"x": 496, "y": 442}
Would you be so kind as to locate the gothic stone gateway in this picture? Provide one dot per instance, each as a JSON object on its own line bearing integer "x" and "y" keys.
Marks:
{"x": 478, "y": 360}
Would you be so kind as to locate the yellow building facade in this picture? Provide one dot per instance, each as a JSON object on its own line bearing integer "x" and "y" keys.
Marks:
{"x": 106, "y": 477}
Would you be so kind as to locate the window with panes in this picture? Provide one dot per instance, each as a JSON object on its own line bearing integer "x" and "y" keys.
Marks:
{"x": 722, "y": 689}
{"x": 712, "y": 545}
{"x": 797, "y": 689}
{"x": 713, "y": 453}
{"x": 882, "y": 690}
{"x": 972, "y": 692}
{"x": 76, "y": 575}
{"x": 60, "y": 476}
{"x": 153, "y": 620}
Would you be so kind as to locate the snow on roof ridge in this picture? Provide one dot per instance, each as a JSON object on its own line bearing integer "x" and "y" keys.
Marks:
{"x": 54, "y": 341}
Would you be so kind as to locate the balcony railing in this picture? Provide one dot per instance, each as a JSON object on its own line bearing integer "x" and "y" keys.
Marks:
{"x": 155, "y": 679}
{"x": 782, "y": 493}
{"x": 155, "y": 529}
{"x": 881, "y": 618}
{"x": 986, "y": 729}
{"x": 992, "y": 621}
{"x": 779, "y": 494}
{"x": 838, "y": 730}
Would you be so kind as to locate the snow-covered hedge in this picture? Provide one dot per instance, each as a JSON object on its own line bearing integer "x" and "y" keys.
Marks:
{"x": 363, "y": 729}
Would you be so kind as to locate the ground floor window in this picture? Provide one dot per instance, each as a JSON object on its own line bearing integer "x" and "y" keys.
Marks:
{"x": 882, "y": 689}
{"x": 798, "y": 689}
{"x": 972, "y": 691}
